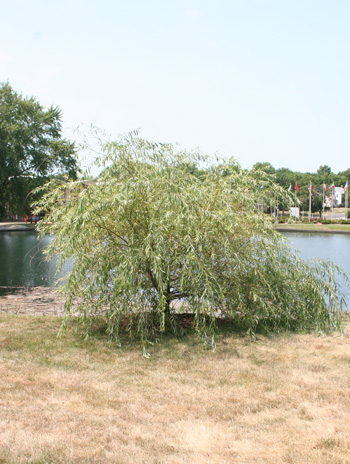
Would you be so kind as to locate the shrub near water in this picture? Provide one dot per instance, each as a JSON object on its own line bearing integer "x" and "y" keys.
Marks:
{"x": 155, "y": 229}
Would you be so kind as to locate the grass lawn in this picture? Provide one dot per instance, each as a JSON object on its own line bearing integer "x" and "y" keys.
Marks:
{"x": 65, "y": 400}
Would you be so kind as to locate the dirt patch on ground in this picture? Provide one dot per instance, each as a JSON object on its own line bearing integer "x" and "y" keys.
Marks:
{"x": 36, "y": 301}
{"x": 44, "y": 301}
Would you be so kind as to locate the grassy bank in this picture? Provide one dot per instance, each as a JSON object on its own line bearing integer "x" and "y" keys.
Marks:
{"x": 343, "y": 228}
{"x": 66, "y": 400}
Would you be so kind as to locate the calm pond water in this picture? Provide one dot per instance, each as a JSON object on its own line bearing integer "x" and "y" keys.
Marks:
{"x": 22, "y": 260}
{"x": 331, "y": 247}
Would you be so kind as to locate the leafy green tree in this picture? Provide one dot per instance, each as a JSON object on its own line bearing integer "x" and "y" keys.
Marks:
{"x": 317, "y": 200}
{"x": 31, "y": 148}
{"x": 266, "y": 167}
{"x": 324, "y": 171}
{"x": 152, "y": 235}
{"x": 342, "y": 177}
{"x": 285, "y": 178}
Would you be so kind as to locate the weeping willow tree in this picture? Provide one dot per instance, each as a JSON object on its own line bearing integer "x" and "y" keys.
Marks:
{"x": 161, "y": 231}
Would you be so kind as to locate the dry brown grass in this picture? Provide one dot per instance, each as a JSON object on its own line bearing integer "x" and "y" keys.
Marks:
{"x": 281, "y": 400}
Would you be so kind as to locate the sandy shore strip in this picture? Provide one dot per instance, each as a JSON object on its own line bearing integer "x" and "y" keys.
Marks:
{"x": 36, "y": 301}
{"x": 16, "y": 226}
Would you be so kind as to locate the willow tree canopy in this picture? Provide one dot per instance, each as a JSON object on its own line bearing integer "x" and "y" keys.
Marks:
{"x": 160, "y": 227}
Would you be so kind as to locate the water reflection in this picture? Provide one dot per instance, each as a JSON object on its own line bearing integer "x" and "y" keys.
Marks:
{"x": 23, "y": 262}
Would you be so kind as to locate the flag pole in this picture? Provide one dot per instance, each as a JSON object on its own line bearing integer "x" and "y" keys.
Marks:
{"x": 347, "y": 200}
{"x": 323, "y": 189}
{"x": 332, "y": 194}
{"x": 310, "y": 189}
{"x": 290, "y": 201}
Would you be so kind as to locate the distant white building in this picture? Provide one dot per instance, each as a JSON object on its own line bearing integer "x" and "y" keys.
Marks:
{"x": 336, "y": 193}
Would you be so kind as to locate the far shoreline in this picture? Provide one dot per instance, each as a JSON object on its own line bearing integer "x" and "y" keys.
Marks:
{"x": 303, "y": 228}
{"x": 16, "y": 227}
{"x": 314, "y": 228}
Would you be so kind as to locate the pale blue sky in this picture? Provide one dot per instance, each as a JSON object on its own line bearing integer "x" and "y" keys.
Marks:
{"x": 261, "y": 80}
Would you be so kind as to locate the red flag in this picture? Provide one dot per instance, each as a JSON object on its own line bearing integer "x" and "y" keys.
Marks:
{"x": 296, "y": 187}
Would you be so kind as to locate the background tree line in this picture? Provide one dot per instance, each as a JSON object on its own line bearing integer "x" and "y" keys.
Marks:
{"x": 33, "y": 151}
{"x": 286, "y": 177}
